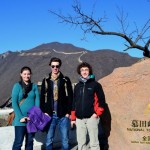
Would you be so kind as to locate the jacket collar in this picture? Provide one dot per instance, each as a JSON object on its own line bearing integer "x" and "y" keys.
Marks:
{"x": 60, "y": 75}
{"x": 89, "y": 78}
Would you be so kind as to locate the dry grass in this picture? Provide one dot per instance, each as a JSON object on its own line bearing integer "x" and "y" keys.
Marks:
{"x": 3, "y": 122}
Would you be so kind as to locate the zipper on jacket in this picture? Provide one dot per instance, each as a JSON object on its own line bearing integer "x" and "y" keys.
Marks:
{"x": 83, "y": 98}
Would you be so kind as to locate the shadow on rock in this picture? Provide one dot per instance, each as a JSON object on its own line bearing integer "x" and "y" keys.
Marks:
{"x": 105, "y": 128}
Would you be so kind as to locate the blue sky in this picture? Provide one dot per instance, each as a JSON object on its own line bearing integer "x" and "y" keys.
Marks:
{"x": 25, "y": 24}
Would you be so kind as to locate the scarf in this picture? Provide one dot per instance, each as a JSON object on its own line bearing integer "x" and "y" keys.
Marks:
{"x": 84, "y": 80}
{"x": 55, "y": 87}
{"x": 25, "y": 88}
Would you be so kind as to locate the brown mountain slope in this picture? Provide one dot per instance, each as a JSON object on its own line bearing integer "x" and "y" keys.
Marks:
{"x": 103, "y": 62}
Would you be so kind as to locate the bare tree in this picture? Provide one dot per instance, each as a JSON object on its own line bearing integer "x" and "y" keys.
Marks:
{"x": 91, "y": 25}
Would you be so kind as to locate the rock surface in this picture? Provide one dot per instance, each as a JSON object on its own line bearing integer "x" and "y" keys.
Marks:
{"x": 127, "y": 93}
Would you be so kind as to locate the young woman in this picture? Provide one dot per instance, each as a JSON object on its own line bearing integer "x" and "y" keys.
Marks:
{"x": 24, "y": 96}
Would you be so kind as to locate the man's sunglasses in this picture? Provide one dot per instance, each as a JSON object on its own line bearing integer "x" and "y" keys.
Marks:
{"x": 53, "y": 66}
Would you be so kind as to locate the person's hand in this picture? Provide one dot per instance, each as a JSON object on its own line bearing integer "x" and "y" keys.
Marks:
{"x": 25, "y": 119}
{"x": 73, "y": 125}
{"x": 67, "y": 115}
{"x": 47, "y": 114}
{"x": 73, "y": 122}
{"x": 94, "y": 115}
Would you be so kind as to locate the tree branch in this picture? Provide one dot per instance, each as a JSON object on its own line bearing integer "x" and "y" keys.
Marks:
{"x": 90, "y": 25}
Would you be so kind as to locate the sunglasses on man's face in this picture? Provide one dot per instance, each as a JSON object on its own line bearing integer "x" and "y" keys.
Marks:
{"x": 53, "y": 66}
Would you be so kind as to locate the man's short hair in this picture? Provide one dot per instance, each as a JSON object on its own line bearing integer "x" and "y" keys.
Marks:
{"x": 55, "y": 59}
{"x": 84, "y": 64}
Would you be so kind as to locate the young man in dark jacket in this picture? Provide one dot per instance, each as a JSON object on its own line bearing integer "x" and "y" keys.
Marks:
{"x": 56, "y": 101}
{"x": 88, "y": 105}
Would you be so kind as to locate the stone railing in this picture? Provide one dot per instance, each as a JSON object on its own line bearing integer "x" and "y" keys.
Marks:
{"x": 7, "y": 137}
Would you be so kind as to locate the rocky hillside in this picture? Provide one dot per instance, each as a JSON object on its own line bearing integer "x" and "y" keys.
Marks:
{"x": 103, "y": 62}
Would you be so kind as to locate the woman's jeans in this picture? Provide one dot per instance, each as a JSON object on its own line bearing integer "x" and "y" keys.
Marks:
{"x": 63, "y": 124}
{"x": 20, "y": 133}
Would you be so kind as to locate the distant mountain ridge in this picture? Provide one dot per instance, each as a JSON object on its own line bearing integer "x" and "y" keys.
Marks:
{"x": 102, "y": 61}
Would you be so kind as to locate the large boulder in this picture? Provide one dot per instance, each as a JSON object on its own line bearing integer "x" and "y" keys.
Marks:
{"x": 127, "y": 93}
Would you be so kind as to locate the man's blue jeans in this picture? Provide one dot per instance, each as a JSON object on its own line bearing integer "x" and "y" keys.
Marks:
{"x": 63, "y": 124}
{"x": 20, "y": 133}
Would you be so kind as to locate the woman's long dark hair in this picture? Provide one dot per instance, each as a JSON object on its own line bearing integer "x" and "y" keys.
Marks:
{"x": 26, "y": 88}
{"x": 26, "y": 68}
